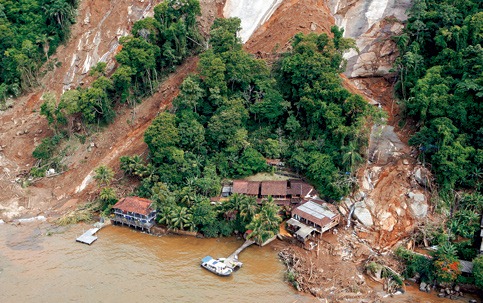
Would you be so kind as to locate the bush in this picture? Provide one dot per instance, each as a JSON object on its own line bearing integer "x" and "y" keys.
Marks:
{"x": 416, "y": 264}
{"x": 478, "y": 271}
{"x": 46, "y": 149}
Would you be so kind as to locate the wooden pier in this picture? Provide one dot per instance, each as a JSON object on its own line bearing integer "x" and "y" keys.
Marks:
{"x": 232, "y": 260}
{"x": 88, "y": 237}
{"x": 235, "y": 254}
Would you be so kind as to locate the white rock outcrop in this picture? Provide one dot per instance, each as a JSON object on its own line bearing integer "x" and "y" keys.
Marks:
{"x": 362, "y": 214}
{"x": 418, "y": 205}
{"x": 371, "y": 23}
{"x": 252, "y": 13}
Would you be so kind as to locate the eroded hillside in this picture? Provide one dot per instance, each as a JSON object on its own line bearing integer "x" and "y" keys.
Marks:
{"x": 390, "y": 202}
{"x": 94, "y": 37}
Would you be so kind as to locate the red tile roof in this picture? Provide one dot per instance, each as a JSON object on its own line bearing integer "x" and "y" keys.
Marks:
{"x": 274, "y": 162}
{"x": 246, "y": 187}
{"x": 240, "y": 186}
{"x": 253, "y": 188}
{"x": 274, "y": 188}
{"x": 135, "y": 205}
{"x": 299, "y": 188}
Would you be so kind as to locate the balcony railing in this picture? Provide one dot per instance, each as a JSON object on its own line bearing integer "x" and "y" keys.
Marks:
{"x": 132, "y": 222}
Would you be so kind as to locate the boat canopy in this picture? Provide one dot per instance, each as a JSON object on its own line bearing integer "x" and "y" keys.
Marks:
{"x": 206, "y": 259}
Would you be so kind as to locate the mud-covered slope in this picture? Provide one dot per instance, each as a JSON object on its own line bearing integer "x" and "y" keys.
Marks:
{"x": 390, "y": 202}
{"x": 94, "y": 37}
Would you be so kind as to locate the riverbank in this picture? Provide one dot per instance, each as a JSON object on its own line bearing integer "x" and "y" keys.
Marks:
{"x": 334, "y": 272}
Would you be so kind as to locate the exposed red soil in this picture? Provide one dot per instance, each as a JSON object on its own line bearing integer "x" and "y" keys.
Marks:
{"x": 292, "y": 17}
{"x": 22, "y": 128}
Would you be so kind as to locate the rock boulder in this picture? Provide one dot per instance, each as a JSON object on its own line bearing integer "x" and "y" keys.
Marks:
{"x": 423, "y": 176}
{"x": 363, "y": 215}
{"x": 418, "y": 205}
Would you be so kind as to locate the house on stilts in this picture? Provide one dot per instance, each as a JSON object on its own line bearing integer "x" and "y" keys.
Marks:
{"x": 134, "y": 212}
{"x": 311, "y": 218}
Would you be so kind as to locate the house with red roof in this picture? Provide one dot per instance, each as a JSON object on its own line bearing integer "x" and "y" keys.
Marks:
{"x": 284, "y": 192}
{"x": 134, "y": 212}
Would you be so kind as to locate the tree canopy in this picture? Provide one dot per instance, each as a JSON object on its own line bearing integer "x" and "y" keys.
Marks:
{"x": 30, "y": 31}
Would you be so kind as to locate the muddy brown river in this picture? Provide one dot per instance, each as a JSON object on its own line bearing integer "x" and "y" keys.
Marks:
{"x": 42, "y": 263}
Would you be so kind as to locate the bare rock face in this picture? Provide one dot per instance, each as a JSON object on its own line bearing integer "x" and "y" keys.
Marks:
{"x": 422, "y": 176}
{"x": 363, "y": 214}
{"x": 371, "y": 23}
{"x": 385, "y": 145}
{"x": 391, "y": 199}
{"x": 418, "y": 205}
{"x": 387, "y": 221}
{"x": 97, "y": 37}
{"x": 252, "y": 13}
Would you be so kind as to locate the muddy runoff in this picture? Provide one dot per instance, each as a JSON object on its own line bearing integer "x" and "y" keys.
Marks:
{"x": 43, "y": 263}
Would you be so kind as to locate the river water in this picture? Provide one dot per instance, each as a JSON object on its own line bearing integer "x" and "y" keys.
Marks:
{"x": 43, "y": 263}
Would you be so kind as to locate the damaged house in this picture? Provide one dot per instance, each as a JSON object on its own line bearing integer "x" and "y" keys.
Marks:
{"x": 311, "y": 218}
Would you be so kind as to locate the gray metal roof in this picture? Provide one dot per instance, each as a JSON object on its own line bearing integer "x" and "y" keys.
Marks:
{"x": 316, "y": 210}
{"x": 304, "y": 231}
{"x": 466, "y": 266}
{"x": 227, "y": 189}
{"x": 294, "y": 222}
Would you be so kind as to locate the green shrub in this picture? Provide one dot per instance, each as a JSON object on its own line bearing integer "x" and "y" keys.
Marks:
{"x": 416, "y": 264}
{"x": 478, "y": 271}
{"x": 46, "y": 149}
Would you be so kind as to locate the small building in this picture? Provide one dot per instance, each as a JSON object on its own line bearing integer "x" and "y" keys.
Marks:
{"x": 134, "y": 212}
{"x": 249, "y": 188}
{"x": 275, "y": 162}
{"x": 312, "y": 217}
{"x": 299, "y": 189}
{"x": 284, "y": 193}
{"x": 226, "y": 191}
{"x": 275, "y": 189}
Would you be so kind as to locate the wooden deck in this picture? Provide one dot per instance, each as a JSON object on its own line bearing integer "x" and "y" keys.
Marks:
{"x": 235, "y": 254}
{"x": 232, "y": 260}
{"x": 88, "y": 237}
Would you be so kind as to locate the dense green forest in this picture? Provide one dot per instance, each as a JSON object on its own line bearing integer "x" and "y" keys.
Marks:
{"x": 440, "y": 83}
{"x": 235, "y": 112}
{"x": 30, "y": 31}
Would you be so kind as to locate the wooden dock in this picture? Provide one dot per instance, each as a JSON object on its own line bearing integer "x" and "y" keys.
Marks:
{"x": 88, "y": 237}
{"x": 232, "y": 260}
{"x": 234, "y": 255}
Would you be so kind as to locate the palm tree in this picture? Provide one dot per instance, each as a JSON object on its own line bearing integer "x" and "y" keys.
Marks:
{"x": 351, "y": 157}
{"x": 164, "y": 215}
{"x": 103, "y": 175}
{"x": 187, "y": 196}
{"x": 269, "y": 215}
{"x": 248, "y": 208}
{"x": 181, "y": 218}
{"x": 256, "y": 226}
{"x": 265, "y": 224}
{"x": 44, "y": 41}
